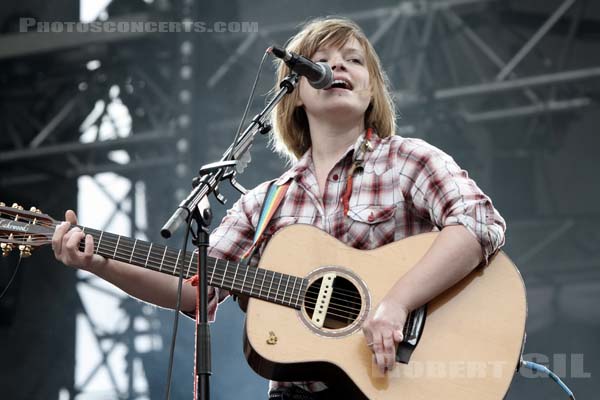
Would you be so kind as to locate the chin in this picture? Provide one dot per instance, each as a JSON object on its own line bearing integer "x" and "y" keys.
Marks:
{"x": 348, "y": 111}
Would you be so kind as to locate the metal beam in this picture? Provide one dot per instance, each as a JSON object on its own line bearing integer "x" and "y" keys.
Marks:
{"x": 77, "y": 147}
{"x": 566, "y": 50}
{"x": 519, "y": 83}
{"x": 545, "y": 241}
{"x": 453, "y": 18}
{"x": 404, "y": 8}
{"x": 123, "y": 169}
{"x": 231, "y": 60}
{"x": 29, "y": 43}
{"x": 385, "y": 26}
{"x": 550, "y": 106}
{"x": 424, "y": 43}
{"x": 53, "y": 123}
{"x": 521, "y": 54}
{"x": 410, "y": 8}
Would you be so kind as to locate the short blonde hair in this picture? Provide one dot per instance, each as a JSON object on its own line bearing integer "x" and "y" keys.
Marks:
{"x": 291, "y": 135}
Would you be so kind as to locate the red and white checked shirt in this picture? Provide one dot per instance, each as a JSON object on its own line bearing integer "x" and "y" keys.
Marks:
{"x": 406, "y": 187}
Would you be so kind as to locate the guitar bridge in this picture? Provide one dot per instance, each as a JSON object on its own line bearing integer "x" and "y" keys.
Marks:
{"x": 412, "y": 334}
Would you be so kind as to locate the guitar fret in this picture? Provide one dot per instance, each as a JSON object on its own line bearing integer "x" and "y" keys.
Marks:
{"x": 212, "y": 274}
{"x": 275, "y": 286}
{"x": 301, "y": 292}
{"x": 176, "y": 262}
{"x": 132, "y": 251}
{"x": 254, "y": 280}
{"x": 294, "y": 290}
{"x": 190, "y": 264}
{"x": 148, "y": 256}
{"x": 286, "y": 286}
{"x": 99, "y": 240}
{"x": 244, "y": 281}
{"x": 262, "y": 284}
{"x": 225, "y": 272}
{"x": 163, "y": 259}
{"x": 271, "y": 284}
{"x": 234, "y": 276}
{"x": 116, "y": 246}
{"x": 278, "y": 285}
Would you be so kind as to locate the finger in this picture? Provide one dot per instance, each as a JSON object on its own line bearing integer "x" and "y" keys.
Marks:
{"x": 88, "y": 252}
{"x": 368, "y": 335}
{"x": 72, "y": 245}
{"x": 398, "y": 336}
{"x": 379, "y": 351}
{"x": 380, "y": 361}
{"x": 389, "y": 350}
{"x": 57, "y": 238}
{"x": 71, "y": 217}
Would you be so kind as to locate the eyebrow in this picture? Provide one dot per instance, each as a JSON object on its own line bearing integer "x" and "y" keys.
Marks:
{"x": 344, "y": 50}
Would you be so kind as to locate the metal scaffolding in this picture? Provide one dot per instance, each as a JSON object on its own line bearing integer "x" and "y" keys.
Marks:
{"x": 457, "y": 68}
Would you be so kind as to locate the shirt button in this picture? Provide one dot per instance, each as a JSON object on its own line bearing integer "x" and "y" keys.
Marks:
{"x": 371, "y": 217}
{"x": 335, "y": 177}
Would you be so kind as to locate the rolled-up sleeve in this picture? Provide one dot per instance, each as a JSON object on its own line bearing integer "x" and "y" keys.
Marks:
{"x": 443, "y": 191}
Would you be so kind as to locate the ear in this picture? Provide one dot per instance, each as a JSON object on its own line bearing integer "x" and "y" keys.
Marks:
{"x": 298, "y": 102}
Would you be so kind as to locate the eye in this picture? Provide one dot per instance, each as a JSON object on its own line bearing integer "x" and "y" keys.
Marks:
{"x": 322, "y": 60}
{"x": 356, "y": 60}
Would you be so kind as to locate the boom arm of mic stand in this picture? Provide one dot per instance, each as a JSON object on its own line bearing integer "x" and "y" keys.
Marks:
{"x": 209, "y": 182}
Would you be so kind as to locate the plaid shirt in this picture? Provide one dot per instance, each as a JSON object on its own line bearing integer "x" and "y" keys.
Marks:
{"x": 406, "y": 187}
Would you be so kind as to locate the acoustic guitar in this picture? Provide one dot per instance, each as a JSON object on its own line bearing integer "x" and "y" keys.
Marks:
{"x": 311, "y": 294}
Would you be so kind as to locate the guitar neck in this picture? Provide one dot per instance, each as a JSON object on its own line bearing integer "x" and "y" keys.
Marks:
{"x": 274, "y": 287}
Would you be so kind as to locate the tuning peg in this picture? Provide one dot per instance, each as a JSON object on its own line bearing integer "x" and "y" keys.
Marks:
{"x": 35, "y": 210}
{"x": 2, "y": 204}
{"x": 6, "y": 249}
{"x": 18, "y": 207}
{"x": 25, "y": 250}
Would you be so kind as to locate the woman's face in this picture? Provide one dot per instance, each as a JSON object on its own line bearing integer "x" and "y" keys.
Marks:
{"x": 350, "y": 94}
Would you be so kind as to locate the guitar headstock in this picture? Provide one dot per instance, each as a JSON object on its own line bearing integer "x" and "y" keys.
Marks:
{"x": 24, "y": 229}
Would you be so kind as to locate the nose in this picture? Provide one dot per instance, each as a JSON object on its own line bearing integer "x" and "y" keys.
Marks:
{"x": 337, "y": 63}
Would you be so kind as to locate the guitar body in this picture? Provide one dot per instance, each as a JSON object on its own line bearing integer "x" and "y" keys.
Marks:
{"x": 469, "y": 347}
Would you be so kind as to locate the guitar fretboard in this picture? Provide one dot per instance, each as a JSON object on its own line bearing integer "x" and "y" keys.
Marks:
{"x": 271, "y": 286}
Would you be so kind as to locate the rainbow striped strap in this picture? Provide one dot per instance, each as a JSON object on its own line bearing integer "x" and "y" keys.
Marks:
{"x": 275, "y": 195}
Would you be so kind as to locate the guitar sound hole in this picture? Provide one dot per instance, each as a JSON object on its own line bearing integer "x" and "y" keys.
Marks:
{"x": 344, "y": 306}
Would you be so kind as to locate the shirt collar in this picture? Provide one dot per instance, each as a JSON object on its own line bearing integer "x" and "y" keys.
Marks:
{"x": 305, "y": 162}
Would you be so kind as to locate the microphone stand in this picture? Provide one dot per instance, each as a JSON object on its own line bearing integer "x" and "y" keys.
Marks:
{"x": 207, "y": 182}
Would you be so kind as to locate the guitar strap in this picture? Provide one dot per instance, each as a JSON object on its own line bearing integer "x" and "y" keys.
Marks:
{"x": 275, "y": 194}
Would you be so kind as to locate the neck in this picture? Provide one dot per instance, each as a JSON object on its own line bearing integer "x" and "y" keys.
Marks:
{"x": 331, "y": 139}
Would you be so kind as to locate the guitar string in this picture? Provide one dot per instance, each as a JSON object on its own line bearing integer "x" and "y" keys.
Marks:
{"x": 127, "y": 245}
{"x": 147, "y": 260}
{"x": 349, "y": 313}
{"x": 109, "y": 239}
{"x": 338, "y": 303}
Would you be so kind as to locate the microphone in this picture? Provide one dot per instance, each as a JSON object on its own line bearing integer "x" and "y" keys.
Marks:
{"x": 319, "y": 75}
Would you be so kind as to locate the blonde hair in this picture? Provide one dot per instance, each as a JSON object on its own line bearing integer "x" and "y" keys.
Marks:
{"x": 291, "y": 134}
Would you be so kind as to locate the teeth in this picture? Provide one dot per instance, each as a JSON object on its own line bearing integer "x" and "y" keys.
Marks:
{"x": 342, "y": 82}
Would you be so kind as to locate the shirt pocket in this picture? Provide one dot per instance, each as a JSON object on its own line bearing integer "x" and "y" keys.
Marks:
{"x": 370, "y": 226}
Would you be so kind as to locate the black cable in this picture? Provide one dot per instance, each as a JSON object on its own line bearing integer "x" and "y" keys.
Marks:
{"x": 249, "y": 102}
{"x": 177, "y": 310}
{"x": 180, "y": 279}
{"x": 12, "y": 278}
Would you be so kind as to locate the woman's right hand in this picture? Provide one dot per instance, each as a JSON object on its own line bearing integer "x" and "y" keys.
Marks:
{"x": 65, "y": 244}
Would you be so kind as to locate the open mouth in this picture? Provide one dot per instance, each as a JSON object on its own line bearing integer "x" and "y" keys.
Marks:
{"x": 340, "y": 84}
